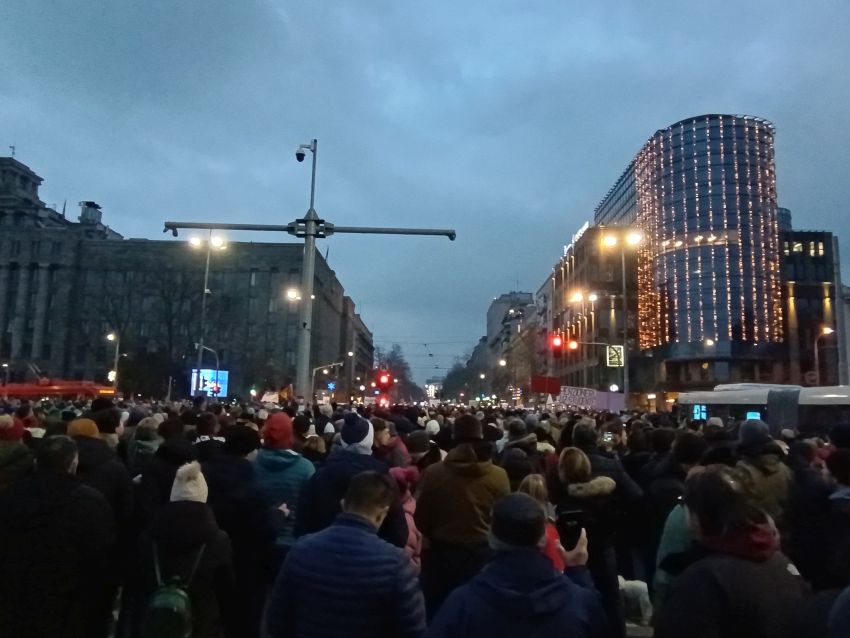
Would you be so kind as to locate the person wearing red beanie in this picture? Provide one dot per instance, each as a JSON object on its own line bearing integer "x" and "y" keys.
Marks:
{"x": 277, "y": 432}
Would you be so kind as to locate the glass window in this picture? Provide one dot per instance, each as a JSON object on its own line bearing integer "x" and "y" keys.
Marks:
{"x": 821, "y": 251}
{"x": 798, "y": 247}
{"x": 812, "y": 249}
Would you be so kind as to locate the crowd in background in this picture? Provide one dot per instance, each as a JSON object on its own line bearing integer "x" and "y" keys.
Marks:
{"x": 411, "y": 521}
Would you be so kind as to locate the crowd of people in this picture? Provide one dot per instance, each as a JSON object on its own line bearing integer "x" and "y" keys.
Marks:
{"x": 218, "y": 520}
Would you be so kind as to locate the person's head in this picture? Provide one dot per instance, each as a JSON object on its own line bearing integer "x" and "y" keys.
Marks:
{"x": 172, "y": 428}
{"x": 189, "y": 484}
{"x": 11, "y": 429}
{"x": 838, "y": 465}
{"x": 326, "y": 410}
{"x": 277, "y": 432}
{"x": 369, "y": 495}
{"x": 535, "y": 486}
{"x": 418, "y": 444}
{"x": 516, "y": 428}
{"x": 688, "y": 448}
{"x": 240, "y": 440}
{"x": 406, "y": 478}
{"x": 517, "y": 466}
{"x": 301, "y": 426}
{"x": 199, "y": 403}
{"x": 718, "y": 503}
{"x": 467, "y": 429}
{"x": 662, "y": 439}
{"x": 357, "y": 434}
{"x": 207, "y": 424}
{"x": 109, "y": 421}
{"x": 83, "y": 427}
{"x": 754, "y": 432}
{"x": 638, "y": 441}
{"x": 585, "y": 436}
{"x": 573, "y": 466}
{"x": 56, "y": 454}
{"x": 519, "y": 522}
{"x": 616, "y": 433}
{"x": 383, "y": 432}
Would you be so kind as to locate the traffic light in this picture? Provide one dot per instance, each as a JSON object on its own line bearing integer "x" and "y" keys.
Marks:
{"x": 573, "y": 345}
{"x": 384, "y": 381}
{"x": 556, "y": 343}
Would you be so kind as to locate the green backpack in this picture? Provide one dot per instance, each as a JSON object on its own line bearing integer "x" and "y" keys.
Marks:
{"x": 169, "y": 610}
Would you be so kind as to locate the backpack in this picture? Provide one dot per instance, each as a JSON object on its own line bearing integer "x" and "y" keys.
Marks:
{"x": 169, "y": 610}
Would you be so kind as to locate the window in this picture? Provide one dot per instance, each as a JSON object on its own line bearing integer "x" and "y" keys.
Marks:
{"x": 821, "y": 251}
{"x": 812, "y": 252}
{"x": 253, "y": 278}
{"x": 798, "y": 247}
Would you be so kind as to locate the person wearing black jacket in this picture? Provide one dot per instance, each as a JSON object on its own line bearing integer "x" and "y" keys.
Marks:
{"x": 319, "y": 502}
{"x": 154, "y": 487}
{"x": 57, "y": 537}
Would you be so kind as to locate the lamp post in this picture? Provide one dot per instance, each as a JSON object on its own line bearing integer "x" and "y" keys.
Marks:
{"x": 6, "y": 380}
{"x": 825, "y": 331}
{"x": 219, "y": 244}
{"x": 631, "y": 239}
{"x": 113, "y": 336}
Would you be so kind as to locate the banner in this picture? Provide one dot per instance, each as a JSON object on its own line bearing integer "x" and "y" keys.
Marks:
{"x": 579, "y": 397}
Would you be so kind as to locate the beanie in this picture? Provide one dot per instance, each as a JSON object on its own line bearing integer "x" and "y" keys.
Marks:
{"x": 715, "y": 421}
{"x": 83, "y": 427}
{"x": 518, "y": 521}
{"x": 418, "y": 443}
{"x": 357, "y": 434}
{"x": 11, "y": 429}
{"x": 329, "y": 429}
{"x": 277, "y": 432}
{"x": 432, "y": 428}
{"x": 754, "y": 431}
{"x": 467, "y": 428}
{"x": 240, "y": 440}
{"x": 189, "y": 484}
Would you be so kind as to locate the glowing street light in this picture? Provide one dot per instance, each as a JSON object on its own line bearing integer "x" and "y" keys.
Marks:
{"x": 292, "y": 294}
{"x": 709, "y": 342}
{"x": 502, "y": 363}
{"x": 824, "y": 331}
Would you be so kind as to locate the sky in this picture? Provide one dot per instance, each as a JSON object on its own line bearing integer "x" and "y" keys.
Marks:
{"x": 505, "y": 120}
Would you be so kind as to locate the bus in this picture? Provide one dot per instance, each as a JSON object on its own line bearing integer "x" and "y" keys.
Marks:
{"x": 810, "y": 410}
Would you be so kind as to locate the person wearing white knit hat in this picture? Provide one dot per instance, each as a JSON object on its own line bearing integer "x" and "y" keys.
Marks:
{"x": 189, "y": 484}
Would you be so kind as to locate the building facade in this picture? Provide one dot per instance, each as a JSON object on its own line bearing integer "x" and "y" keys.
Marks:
{"x": 65, "y": 284}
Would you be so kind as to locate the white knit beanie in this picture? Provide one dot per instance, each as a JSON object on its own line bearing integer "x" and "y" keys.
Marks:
{"x": 432, "y": 427}
{"x": 189, "y": 484}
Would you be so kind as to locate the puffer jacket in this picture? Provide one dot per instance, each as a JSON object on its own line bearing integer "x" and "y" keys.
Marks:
{"x": 457, "y": 495}
{"x": 281, "y": 476}
{"x": 414, "y": 537}
{"x": 770, "y": 481}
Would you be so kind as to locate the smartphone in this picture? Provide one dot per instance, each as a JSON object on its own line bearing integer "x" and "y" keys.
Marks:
{"x": 608, "y": 438}
{"x": 569, "y": 525}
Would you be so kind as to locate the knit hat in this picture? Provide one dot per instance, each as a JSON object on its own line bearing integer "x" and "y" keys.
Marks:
{"x": 240, "y": 440}
{"x": 754, "y": 431}
{"x": 262, "y": 415}
{"x": 83, "y": 427}
{"x": 311, "y": 431}
{"x": 189, "y": 484}
{"x": 277, "y": 432}
{"x": 518, "y": 521}
{"x": 329, "y": 429}
{"x": 11, "y": 429}
{"x": 467, "y": 428}
{"x": 432, "y": 428}
{"x": 715, "y": 421}
{"x": 357, "y": 434}
{"x": 419, "y": 442}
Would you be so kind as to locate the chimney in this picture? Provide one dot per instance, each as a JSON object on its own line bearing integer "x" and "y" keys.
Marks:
{"x": 90, "y": 213}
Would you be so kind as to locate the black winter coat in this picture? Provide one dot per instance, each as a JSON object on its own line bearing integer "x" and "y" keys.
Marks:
{"x": 179, "y": 531}
{"x": 240, "y": 511}
{"x": 319, "y": 502}
{"x": 57, "y": 538}
{"x": 154, "y": 490}
{"x": 100, "y": 468}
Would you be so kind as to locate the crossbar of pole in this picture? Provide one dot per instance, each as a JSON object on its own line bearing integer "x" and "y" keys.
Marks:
{"x": 323, "y": 229}
{"x": 367, "y": 230}
{"x": 174, "y": 226}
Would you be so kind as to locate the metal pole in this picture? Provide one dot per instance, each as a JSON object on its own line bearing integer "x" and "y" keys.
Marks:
{"x": 115, "y": 361}
{"x": 625, "y": 331}
{"x": 197, "y": 388}
{"x": 817, "y": 361}
{"x": 303, "y": 379}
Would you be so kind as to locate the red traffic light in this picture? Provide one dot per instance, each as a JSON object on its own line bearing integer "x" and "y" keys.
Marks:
{"x": 384, "y": 379}
{"x": 557, "y": 341}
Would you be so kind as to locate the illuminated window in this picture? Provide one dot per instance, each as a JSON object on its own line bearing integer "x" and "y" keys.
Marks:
{"x": 821, "y": 251}
{"x": 798, "y": 247}
{"x": 812, "y": 252}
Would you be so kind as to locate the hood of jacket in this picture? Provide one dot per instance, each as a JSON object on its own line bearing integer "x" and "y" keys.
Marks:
{"x": 341, "y": 465}
{"x": 92, "y": 453}
{"x": 523, "y": 584}
{"x": 463, "y": 461}
{"x": 184, "y": 524}
{"x": 277, "y": 460}
{"x": 176, "y": 452}
{"x": 768, "y": 463}
{"x": 599, "y": 486}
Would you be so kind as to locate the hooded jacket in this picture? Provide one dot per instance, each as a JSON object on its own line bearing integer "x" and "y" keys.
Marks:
{"x": 520, "y": 594}
{"x": 157, "y": 478}
{"x": 457, "y": 495}
{"x": 100, "y": 468}
{"x": 768, "y": 478}
{"x": 281, "y": 475}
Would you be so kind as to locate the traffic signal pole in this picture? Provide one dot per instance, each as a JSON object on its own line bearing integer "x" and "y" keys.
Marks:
{"x": 310, "y": 228}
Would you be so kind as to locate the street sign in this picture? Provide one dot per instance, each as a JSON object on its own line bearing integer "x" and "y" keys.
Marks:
{"x": 614, "y": 356}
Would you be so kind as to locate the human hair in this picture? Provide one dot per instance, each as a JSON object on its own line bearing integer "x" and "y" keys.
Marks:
{"x": 107, "y": 420}
{"x": 535, "y": 486}
{"x": 379, "y": 424}
{"x": 216, "y": 409}
{"x": 56, "y": 454}
{"x": 172, "y": 428}
{"x": 369, "y": 491}
{"x": 614, "y": 427}
{"x": 585, "y": 435}
{"x": 689, "y": 447}
{"x": 719, "y": 500}
{"x": 638, "y": 441}
{"x": 662, "y": 440}
{"x": 573, "y": 466}
{"x": 206, "y": 424}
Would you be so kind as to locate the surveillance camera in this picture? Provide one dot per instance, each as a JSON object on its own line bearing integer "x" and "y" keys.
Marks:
{"x": 174, "y": 232}
{"x": 300, "y": 154}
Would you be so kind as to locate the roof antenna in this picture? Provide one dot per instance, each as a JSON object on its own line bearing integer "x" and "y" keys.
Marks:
{"x": 12, "y": 148}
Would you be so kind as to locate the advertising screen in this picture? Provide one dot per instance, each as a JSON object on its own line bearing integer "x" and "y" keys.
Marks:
{"x": 211, "y": 380}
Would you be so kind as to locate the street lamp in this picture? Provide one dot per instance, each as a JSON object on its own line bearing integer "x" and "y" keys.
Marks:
{"x": 6, "y": 373}
{"x": 825, "y": 331}
{"x": 292, "y": 294}
{"x": 631, "y": 239}
{"x": 709, "y": 342}
{"x": 217, "y": 243}
{"x": 502, "y": 363}
{"x": 113, "y": 336}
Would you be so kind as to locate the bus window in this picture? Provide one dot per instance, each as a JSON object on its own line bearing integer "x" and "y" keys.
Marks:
{"x": 700, "y": 412}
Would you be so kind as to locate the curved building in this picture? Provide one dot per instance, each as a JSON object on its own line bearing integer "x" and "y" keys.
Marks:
{"x": 703, "y": 191}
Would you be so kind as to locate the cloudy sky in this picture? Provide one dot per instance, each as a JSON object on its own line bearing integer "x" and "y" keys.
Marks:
{"x": 505, "y": 120}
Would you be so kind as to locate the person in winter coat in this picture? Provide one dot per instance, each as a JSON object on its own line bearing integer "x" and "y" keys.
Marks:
{"x": 100, "y": 468}
{"x": 519, "y": 593}
{"x": 240, "y": 510}
{"x": 207, "y": 441}
{"x": 580, "y": 496}
{"x": 345, "y": 580}
{"x": 388, "y": 446}
{"x": 767, "y": 477}
{"x": 320, "y": 499}
{"x": 453, "y": 511}
{"x": 142, "y": 445}
{"x": 406, "y": 479}
{"x": 16, "y": 459}
{"x": 535, "y": 486}
{"x": 281, "y": 475}
{"x": 836, "y": 552}
{"x": 735, "y": 583}
{"x": 184, "y": 533}
{"x": 57, "y": 538}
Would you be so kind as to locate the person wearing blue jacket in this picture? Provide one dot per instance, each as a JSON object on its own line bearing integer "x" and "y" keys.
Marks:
{"x": 520, "y": 593}
{"x": 345, "y": 580}
{"x": 281, "y": 474}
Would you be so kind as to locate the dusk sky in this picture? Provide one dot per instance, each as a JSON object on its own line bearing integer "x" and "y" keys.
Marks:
{"x": 507, "y": 121}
